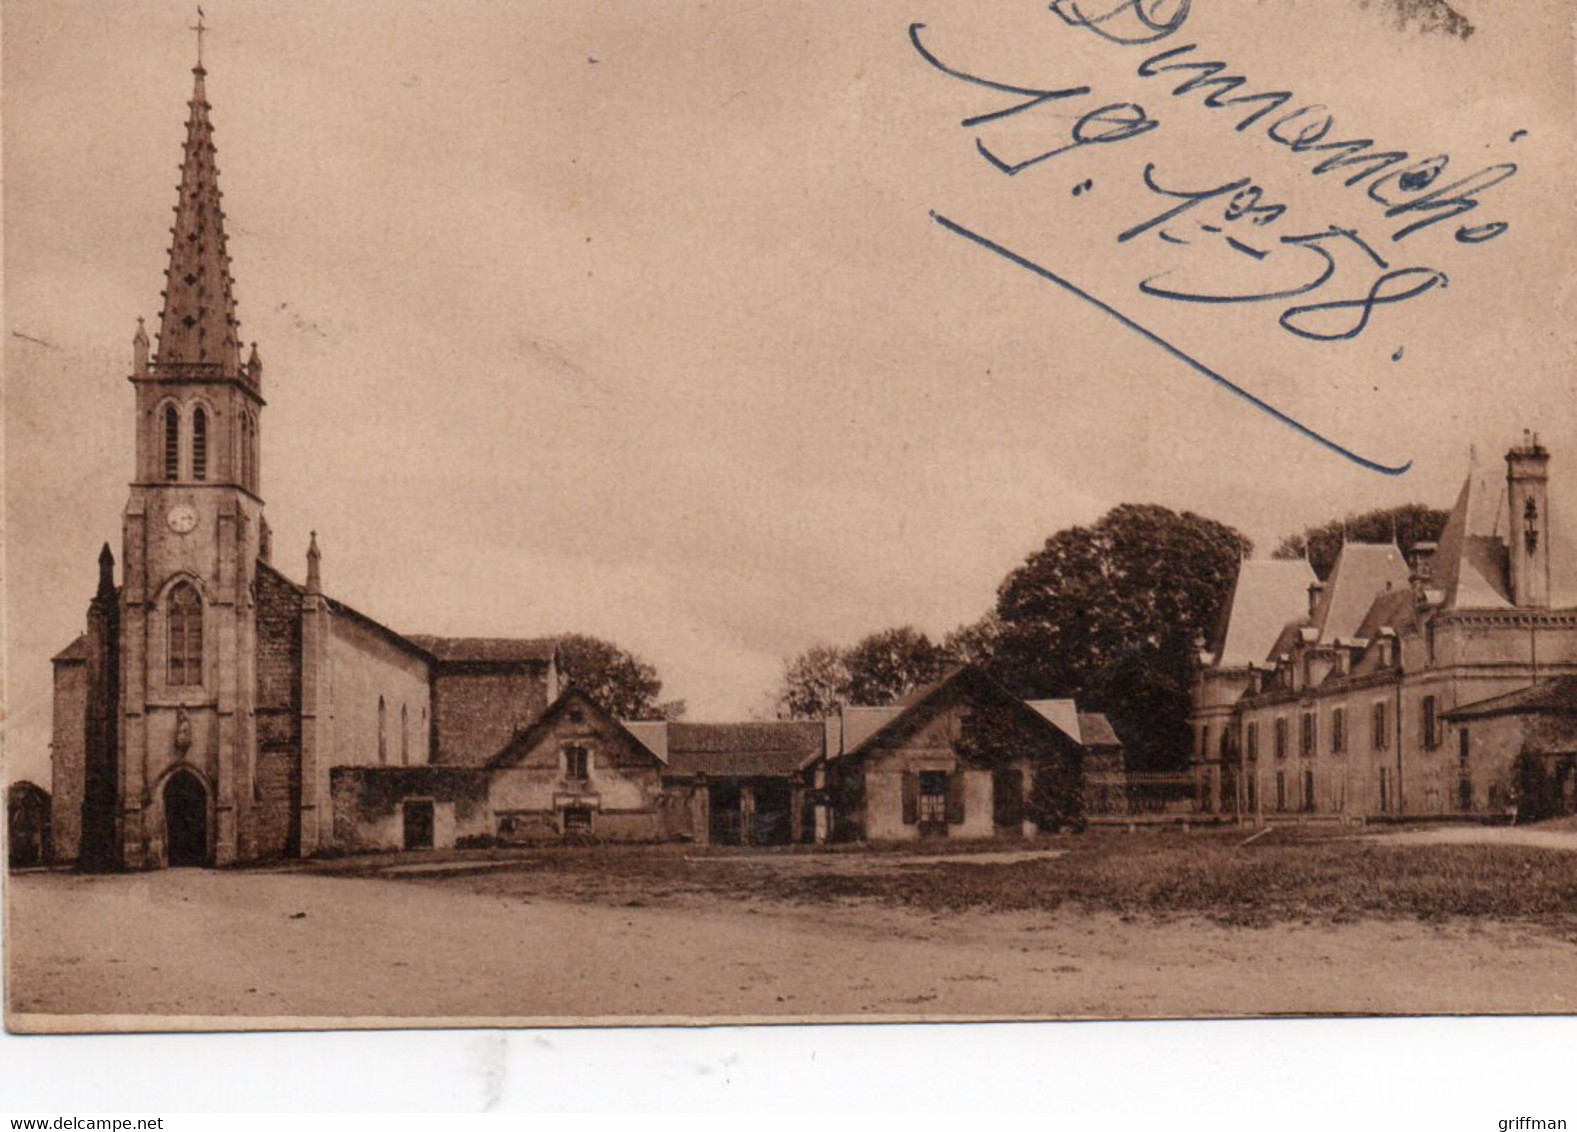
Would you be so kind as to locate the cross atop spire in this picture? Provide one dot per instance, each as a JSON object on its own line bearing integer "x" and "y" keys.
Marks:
{"x": 198, "y": 332}
{"x": 199, "y": 27}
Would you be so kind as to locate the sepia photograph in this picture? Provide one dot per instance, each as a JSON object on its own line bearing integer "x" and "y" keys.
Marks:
{"x": 566, "y": 513}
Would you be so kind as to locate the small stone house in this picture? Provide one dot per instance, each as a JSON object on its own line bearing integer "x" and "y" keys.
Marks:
{"x": 959, "y": 758}
{"x": 577, "y": 770}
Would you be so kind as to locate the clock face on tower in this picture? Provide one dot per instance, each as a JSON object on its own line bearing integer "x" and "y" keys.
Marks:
{"x": 182, "y": 519}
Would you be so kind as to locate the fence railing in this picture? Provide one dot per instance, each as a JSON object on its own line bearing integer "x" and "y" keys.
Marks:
{"x": 1135, "y": 794}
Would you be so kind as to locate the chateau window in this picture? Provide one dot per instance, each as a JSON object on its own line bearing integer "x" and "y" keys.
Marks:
{"x": 1281, "y": 737}
{"x": 1378, "y": 732}
{"x": 1431, "y": 723}
{"x": 1338, "y": 731}
{"x": 576, "y": 763}
{"x": 1463, "y": 748}
{"x": 1226, "y": 744}
{"x": 185, "y": 617}
{"x": 1252, "y": 742}
{"x": 383, "y": 732}
{"x": 1308, "y": 791}
{"x": 1306, "y": 735}
{"x": 172, "y": 443}
{"x": 199, "y": 444}
{"x": 1281, "y": 791}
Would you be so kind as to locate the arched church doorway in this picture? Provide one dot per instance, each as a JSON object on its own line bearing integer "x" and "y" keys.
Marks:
{"x": 185, "y": 821}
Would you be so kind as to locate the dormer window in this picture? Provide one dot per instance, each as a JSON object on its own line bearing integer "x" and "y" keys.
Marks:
{"x": 1530, "y": 525}
{"x": 576, "y": 762}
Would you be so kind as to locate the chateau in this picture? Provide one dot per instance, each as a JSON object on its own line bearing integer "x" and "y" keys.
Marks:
{"x": 215, "y": 711}
{"x": 1446, "y": 685}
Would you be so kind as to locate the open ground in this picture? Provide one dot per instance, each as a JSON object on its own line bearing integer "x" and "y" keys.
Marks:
{"x": 1105, "y": 924}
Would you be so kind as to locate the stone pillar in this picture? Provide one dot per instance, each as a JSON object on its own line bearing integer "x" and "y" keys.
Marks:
{"x": 701, "y": 811}
{"x": 796, "y": 814}
{"x": 747, "y": 808}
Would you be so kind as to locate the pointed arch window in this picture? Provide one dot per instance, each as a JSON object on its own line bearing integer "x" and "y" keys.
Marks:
{"x": 199, "y": 443}
{"x": 383, "y": 732}
{"x": 184, "y": 615}
{"x": 172, "y": 443}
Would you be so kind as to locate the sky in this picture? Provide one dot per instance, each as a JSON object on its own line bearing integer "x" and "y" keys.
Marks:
{"x": 634, "y": 319}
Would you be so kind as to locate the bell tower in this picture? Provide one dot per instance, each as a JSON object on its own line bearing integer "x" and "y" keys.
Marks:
{"x": 192, "y": 535}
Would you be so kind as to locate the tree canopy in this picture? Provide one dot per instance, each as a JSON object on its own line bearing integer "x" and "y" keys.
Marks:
{"x": 1110, "y": 614}
{"x": 1409, "y": 524}
{"x": 618, "y": 680}
{"x": 877, "y": 670}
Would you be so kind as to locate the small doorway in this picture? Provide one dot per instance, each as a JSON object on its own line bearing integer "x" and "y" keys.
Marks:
{"x": 418, "y": 825}
{"x": 1007, "y": 798}
{"x": 185, "y": 821}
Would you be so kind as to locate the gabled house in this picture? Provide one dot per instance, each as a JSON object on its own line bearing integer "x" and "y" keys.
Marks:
{"x": 962, "y": 757}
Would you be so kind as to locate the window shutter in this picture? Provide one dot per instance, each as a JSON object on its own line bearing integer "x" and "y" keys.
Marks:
{"x": 911, "y": 798}
{"x": 955, "y": 798}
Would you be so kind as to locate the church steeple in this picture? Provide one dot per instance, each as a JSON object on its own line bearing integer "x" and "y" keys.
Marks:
{"x": 198, "y": 332}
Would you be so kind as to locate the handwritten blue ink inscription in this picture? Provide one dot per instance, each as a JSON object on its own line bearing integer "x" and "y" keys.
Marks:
{"x": 1234, "y": 241}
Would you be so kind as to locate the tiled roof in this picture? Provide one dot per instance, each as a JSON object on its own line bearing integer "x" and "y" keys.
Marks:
{"x": 860, "y": 723}
{"x": 722, "y": 750}
{"x": 1266, "y": 595}
{"x": 1096, "y": 730}
{"x": 488, "y": 650}
{"x": 1063, "y": 713}
{"x": 1558, "y": 696}
{"x": 76, "y": 651}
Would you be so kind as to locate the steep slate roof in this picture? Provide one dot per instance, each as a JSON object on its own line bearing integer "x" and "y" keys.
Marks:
{"x": 1470, "y": 566}
{"x": 1551, "y": 696}
{"x": 74, "y": 653}
{"x": 1265, "y": 596}
{"x": 488, "y": 650}
{"x": 1363, "y": 572}
{"x": 743, "y": 750}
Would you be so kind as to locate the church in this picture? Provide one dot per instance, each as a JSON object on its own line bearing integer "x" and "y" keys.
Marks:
{"x": 216, "y": 711}
{"x": 1440, "y": 685}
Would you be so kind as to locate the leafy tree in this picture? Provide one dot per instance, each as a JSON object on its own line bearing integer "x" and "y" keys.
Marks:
{"x": 620, "y": 681}
{"x": 975, "y": 643}
{"x": 892, "y": 663}
{"x": 1110, "y": 613}
{"x": 814, "y": 683}
{"x": 993, "y": 737}
{"x": 1409, "y": 524}
{"x": 879, "y": 669}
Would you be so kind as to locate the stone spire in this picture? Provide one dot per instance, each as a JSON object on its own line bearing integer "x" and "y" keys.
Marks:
{"x": 198, "y": 331}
